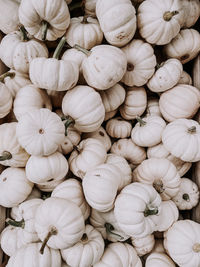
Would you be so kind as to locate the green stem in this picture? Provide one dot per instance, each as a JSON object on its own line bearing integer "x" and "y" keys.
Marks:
{"x": 84, "y": 238}
{"x": 109, "y": 229}
{"x": 53, "y": 231}
{"x": 150, "y": 211}
{"x": 186, "y": 197}
{"x": 45, "y": 26}
{"x": 79, "y": 48}
{"x": 59, "y": 48}
{"x": 5, "y": 156}
{"x": 142, "y": 122}
{"x": 23, "y": 33}
{"x": 16, "y": 223}
{"x": 192, "y": 129}
{"x": 169, "y": 14}
{"x": 7, "y": 74}
{"x": 68, "y": 122}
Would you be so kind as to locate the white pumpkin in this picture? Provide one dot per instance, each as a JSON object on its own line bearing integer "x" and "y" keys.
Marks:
{"x": 181, "y": 101}
{"x": 46, "y": 21}
{"x": 35, "y": 193}
{"x": 161, "y": 174}
{"x": 5, "y": 100}
{"x": 110, "y": 114}
{"x": 181, "y": 138}
{"x": 88, "y": 250}
{"x": 188, "y": 195}
{"x": 196, "y": 72}
{"x": 87, "y": 155}
{"x": 153, "y": 107}
{"x": 71, "y": 189}
{"x": 192, "y": 12}
{"x": 163, "y": 23}
{"x": 185, "y": 79}
{"x": 159, "y": 260}
{"x": 90, "y": 7}
{"x": 117, "y": 20}
{"x": 49, "y": 186}
{"x": 15, "y": 187}
{"x": 141, "y": 63}
{"x": 143, "y": 245}
{"x": 118, "y": 128}
{"x": 44, "y": 128}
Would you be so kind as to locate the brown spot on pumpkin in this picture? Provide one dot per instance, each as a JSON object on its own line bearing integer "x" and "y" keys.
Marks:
{"x": 41, "y": 131}
{"x": 130, "y": 67}
{"x": 119, "y": 147}
{"x": 4, "y": 179}
{"x": 101, "y": 133}
{"x": 65, "y": 143}
{"x": 184, "y": 57}
{"x": 50, "y": 180}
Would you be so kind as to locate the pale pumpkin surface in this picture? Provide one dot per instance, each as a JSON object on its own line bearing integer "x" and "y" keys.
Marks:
{"x": 159, "y": 260}
{"x": 143, "y": 245}
{"x": 196, "y": 72}
{"x": 5, "y": 100}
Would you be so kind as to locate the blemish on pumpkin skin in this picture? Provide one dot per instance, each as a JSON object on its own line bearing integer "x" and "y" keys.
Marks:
{"x": 101, "y": 133}
{"x": 186, "y": 56}
{"x": 119, "y": 147}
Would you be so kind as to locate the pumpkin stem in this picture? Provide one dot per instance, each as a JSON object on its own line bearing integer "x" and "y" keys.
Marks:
{"x": 79, "y": 48}
{"x": 5, "y": 155}
{"x": 142, "y": 122}
{"x": 59, "y": 48}
{"x": 7, "y": 74}
{"x": 158, "y": 185}
{"x": 16, "y": 223}
{"x": 196, "y": 247}
{"x": 109, "y": 229}
{"x": 84, "y": 238}
{"x": 68, "y": 122}
{"x": 77, "y": 149}
{"x": 85, "y": 17}
{"x": 150, "y": 211}
{"x": 45, "y": 26}
{"x": 23, "y": 33}
{"x": 186, "y": 197}
{"x": 192, "y": 129}
{"x": 169, "y": 14}
{"x": 53, "y": 231}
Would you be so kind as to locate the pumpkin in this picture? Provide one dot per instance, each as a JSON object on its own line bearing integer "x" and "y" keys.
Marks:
{"x": 106, "y": 224}
{"x": 88, "y": 250}
{"x": 134, "y": 104}
{"x": 40, "y": 169}
{"x": 196, "y": 173}
{"x": 46, "y": 21}
{"x": 192, "y": 12}
{"x": 126, "y": 148}
{"x": 90, "y": 7}
{"x": 59, "y": 223}
{"x": 185, "y": 79}
{"x": 119, "y": 254}
{"x": 196, "y": 72}
{"x": 159, "y": 259}
{"x": 167, "y": 75}
{"x": 49, "y": 186}
{"x": 11, "y": 153}
{"x": 135, "y": 207}
{"x": 181, "y": 49}
{"x": 84, "y": 31}
{"x": 182, "y": 242}
{"x": 21, "y": 258}
{"x": 182, "y": 101}
{"x": 15, "y": 187}
{"x": 141, "y": 63}
{"x": 188, "y": 195}
{"x": 143, "y": 245}
{"x": 118, "y": 128}
{"x": 153, "y": 107}
{"x": 44, "y": 128}
{"x": 110, "y": 114}
{"x": 9, "y": 20}
{"x": 117, "y": 20}
{"x": 148, "y": 131}
{"x": 35, "y": 193}
{"x": 84, "y": 105}
{"x": 5, "y": 100}
{"x": 161, "y": 174}
{"x": 87, "y": 155}
{"x": 17, "y": 50}
{"x": 72, "y": 190}
{"x": 181, "y": 139}
{"x": 30, "y": 98}
{"x": 163, "y": 23}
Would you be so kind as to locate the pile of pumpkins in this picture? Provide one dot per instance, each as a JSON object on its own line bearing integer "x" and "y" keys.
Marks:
{"x": 99, "y": 132}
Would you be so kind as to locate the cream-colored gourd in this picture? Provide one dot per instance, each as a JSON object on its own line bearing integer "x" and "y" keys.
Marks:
{"x": 136, "y": 219}
{"x": 196, "y": 72}
{"x": 159, "y": 260}
{"x": 110, "y": 114}
{"x": 59, "y": 223}
{"x": 117, "y": 20}
{"x": 84, "y": 105}
{"x": 134, "y": 104}
{"x": 181, "y": 49}
{"x": 50, "y": 258}
{"x": 72, "y": 190}
{"x": 106, "y": 224}
{"x": 166, "y": 76}
{"x": 35, "y": 193}
{"x": 163, "y": 23}
{"x": 159, "y": 151}
{"x": 49, "y": 186}
{"x": 3, "y": 67}
{"x": 182, "y": 242}
{"x": 141, "y": 63}
{"x": 148, "y": 131}
{"x": 5, "y": 100}
{"x": 47, "y": 20}
{"x": 118, "y": 128}
{"x": 143, "y": 245}
{"x": 41, "y": 169}
{"x": 120, "y": 254}
{"x": 30, "y": 98}
{"x": 90, "y": 7}
{"x": 196, "y": 173}
{"x": 188, "y": 195}
{"x": 153, "y": 107}
{"x": 181, "y": 101}
{"x": 11, "y": 153}
{"x": 84, "y": 31}
{"x": 161, "y": 174}
{"x": 44, "y": 128}
{"x": 192, "y": 12}
{"x": 129, "y": 150}
{"x": 185, "y": 79}
{"x": 113, "y": 97}
{"x": 181, "y": 138}
{"x": 88, "y": 250}
{"x": 17, "y": 50}
{"x": 87, "y": 155}
{"x": 15, "y": 187}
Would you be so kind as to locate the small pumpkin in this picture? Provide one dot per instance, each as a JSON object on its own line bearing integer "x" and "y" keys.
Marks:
{"x": 143, "y": 245}
{"x": 118, "y": 128}
{"x": 153, "y": 107}
{"x": 159, "y": 259}
{"x": 90, "y": 7}
{"x": 5, "y": 100}
{"x": 196, "y": 72}
{"x": 192, "y": 12}
{"x": 185, "y": 79}
{"x": 49, "y": 186}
